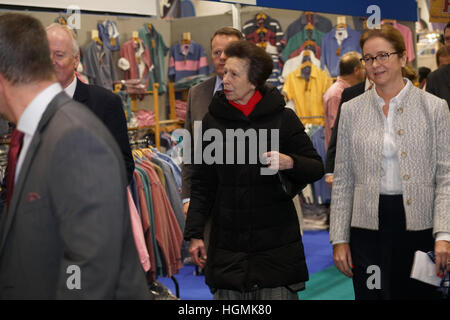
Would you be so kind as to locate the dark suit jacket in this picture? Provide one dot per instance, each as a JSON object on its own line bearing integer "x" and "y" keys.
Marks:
{"x": 347, "y": 95}
{"x": 108, "y": 107}
{"x": 70, "y": 208}
{"x": 200, "y": 96}
{"x": 438, "y": 83}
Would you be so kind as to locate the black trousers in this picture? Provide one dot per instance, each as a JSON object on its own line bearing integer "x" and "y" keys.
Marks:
{"x": 391, "y": 249}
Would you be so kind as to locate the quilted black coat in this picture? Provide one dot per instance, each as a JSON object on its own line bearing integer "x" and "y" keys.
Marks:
{"x": 255, "y": 235}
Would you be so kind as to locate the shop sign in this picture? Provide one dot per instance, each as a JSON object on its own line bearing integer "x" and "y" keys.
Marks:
{"x": 440, "y": 11}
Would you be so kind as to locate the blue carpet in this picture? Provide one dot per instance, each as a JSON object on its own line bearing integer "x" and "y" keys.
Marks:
{"x": 318, "y": 252}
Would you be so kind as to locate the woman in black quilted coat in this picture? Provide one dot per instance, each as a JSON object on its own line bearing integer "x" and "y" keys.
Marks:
{"x": 256, "y": 158}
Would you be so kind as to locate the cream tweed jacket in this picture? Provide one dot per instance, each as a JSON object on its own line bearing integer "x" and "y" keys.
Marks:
{"x": 422, "y": 126}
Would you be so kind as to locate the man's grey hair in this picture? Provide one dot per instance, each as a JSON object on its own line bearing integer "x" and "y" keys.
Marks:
{"x": 75, "y": 46}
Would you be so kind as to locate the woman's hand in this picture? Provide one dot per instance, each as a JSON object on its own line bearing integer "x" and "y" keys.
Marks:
{"x": 198, "y": 252}
{"x": 442, "y": 257}
{"x": 278, "y": 161}
{"x": 343, "y": 258}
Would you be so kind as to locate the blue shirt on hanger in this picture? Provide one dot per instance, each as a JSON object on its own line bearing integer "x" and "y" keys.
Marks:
{"x": 332, "y": 51}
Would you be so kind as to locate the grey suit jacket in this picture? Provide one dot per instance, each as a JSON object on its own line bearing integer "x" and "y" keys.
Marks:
{"x": 199, "y": 98}
{"x": 69, "y": 211}
{"x": 423, "y": 137}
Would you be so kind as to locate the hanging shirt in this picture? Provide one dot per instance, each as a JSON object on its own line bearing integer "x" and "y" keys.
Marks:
{"x": 138, "y": 234}
{"x": 332, "y": 51}
{"x": 261, "y": 20}
{"x": 138, "y": 56}
{"x": 293, "y": 63}
{"x": 331, "y": 101}
{"x": 298, "y": 39}
{"x": 109, "y": 34}
{"x": 408, "y": 37}
{"x": 307, "y": 96}
{"x": 320, "y": 23}
{"x": 158, "y": 50}
{"x": 187, "y": 9}
{"x": 99, "y": 67}
{"x": 187, "y": 60}
{"x": 312, "y": 47}
{"x": 274, "y": 78}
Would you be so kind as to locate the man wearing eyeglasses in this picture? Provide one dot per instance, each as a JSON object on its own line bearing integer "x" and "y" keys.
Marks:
{"x": 438, "y": 82}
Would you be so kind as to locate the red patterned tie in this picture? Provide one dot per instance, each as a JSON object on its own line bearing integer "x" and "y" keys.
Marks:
{"x": 13, "y": 155}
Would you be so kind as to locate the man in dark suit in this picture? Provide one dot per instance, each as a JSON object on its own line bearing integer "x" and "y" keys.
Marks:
{"x": 200, "y": 97}
{"x": 103, "y": 103}
{"x": 347, "y": 95}
{"x": 65, "y": 232}
{"x": 438, "y": 82}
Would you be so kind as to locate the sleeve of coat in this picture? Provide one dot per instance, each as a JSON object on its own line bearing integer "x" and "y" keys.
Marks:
{"x": 442, "y": 193}
{"x": 308, "y": 166}
{"x": 343, "y": 185}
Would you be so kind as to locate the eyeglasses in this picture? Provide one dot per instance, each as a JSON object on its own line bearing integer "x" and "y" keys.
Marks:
{"x": 381, "y": 58}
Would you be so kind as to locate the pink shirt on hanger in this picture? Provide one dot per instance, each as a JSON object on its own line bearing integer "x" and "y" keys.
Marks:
{"x": 138, "y": 233}
{"x": 331, "y": 101}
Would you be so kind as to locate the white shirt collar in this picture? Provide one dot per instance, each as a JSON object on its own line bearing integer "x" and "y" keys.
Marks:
{"x": 218, "y": 85}
{"x": 32, "y": 115}
{"x": 398, "y": 98}
{"x": 70, "y": 90}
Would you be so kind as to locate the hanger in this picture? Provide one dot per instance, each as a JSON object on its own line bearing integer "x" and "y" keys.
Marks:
{"x": 135, "y": 37}
{"x": 389, "y": 21}
{"x": 309, "y": 26}
{"x": 186, "y": 38}
{"x": 95, "y": 37}
{"x": 341, "y": 23}
{"x": 309, "y": 43}
{"x": 261, "y": 15}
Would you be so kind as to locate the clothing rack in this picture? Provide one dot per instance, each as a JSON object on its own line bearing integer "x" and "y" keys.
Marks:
{"x": 143, "y": 153}
{"x": 160, "y": 125}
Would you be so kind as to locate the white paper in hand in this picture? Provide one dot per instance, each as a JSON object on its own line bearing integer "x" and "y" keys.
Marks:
{"x": 424, "y": 269}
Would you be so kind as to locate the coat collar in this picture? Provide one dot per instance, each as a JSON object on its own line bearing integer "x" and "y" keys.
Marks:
{"x": 81, "y": 92}
{"x": 271, "y": 102}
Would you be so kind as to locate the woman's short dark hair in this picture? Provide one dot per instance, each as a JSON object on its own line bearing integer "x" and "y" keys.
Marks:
{"x": 24, "y": 49}
{"x": 260, "y": 62}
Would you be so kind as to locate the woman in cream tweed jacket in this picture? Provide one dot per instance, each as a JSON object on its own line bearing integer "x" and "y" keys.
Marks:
{"x": 391, "y": 192}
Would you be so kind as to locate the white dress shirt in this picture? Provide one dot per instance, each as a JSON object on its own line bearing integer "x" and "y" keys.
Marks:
{"x": 70, "y": 90}
{"x": 391, "y": 182}
{"x": 218, "y": 86}
{"x": 31, "y": 117}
